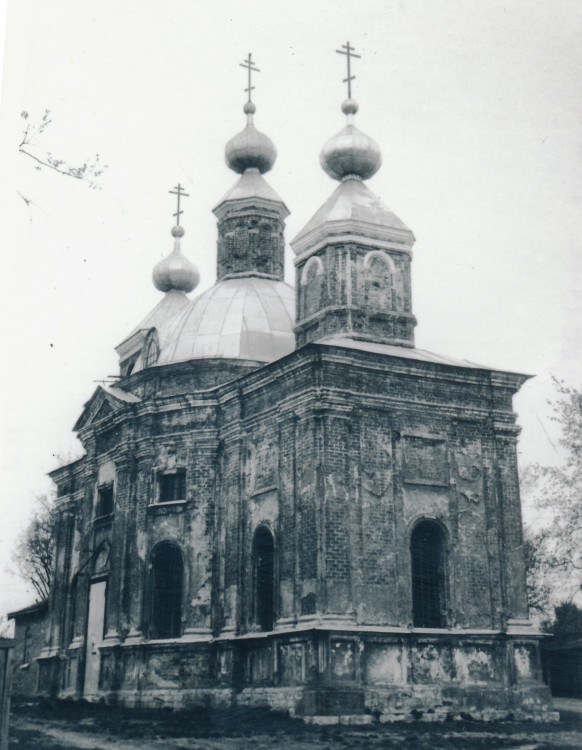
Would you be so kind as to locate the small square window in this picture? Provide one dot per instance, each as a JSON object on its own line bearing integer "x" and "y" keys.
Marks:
{"x": 172, "y": 486}
{"x": 105, "y": 501}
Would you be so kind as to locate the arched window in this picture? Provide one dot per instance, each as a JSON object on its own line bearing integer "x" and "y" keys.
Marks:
{"x": 264, "y": 577}
{"x": 428, "y": 554}
{"x": 151, "y": 349}
{"x": 167, "y": 574}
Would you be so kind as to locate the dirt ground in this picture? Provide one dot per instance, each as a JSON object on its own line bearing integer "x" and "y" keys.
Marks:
{"x": 52, "y": 726}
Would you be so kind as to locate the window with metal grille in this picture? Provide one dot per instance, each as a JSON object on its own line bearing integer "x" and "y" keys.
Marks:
{"x": 264, "y": 575}
{"x": 172, "y": 486}
{"x": 104, "y": 500}
{"x": 167, "y": 574}
{"x": 428, "y": 557}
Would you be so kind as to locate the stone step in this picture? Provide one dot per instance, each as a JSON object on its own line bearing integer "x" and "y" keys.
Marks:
{"x": 351, "y": 720}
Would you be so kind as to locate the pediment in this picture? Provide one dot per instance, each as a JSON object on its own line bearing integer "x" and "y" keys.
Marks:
{"x": 104, "y": 411}
{"x": 104, "y": 403}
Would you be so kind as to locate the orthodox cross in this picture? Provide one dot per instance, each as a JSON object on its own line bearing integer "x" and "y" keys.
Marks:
{"x": 349, "y": 53}
{"x": 179, "y": 191}
{"x": 249, "y": 65}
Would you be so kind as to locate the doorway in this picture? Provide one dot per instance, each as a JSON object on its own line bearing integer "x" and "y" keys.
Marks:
{"x": 95, "y": 632}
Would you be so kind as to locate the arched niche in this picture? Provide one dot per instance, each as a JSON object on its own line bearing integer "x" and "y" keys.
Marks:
{"x": 311, "y": 286}
{"x": 166, "y": 584}
{"x": 263, "y": 554}
{"x": 428, "y": 555}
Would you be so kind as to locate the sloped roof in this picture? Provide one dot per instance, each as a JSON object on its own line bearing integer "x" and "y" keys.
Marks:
{"x": 163, "y": 313}
{"x": 30, "y": 610}
{"x": 400, "y": 351}
{"x": 352, "y": 207}
{"x": 251, "y": 186}
{"x": 114, "y": 397}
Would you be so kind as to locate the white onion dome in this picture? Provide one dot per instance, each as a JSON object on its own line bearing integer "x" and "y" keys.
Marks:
{"x": 250, "y": 149}
{"x": 350, "y": 154}
{"x": 176, "y": 272}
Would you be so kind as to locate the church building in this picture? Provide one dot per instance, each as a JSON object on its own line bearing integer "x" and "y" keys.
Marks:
{"x": 283, "y": 502}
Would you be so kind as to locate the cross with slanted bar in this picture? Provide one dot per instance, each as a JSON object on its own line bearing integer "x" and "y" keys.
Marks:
{"x": 349, "y": 52}
{"x": 248, "y": 63}
{"x": 179, "y": 191}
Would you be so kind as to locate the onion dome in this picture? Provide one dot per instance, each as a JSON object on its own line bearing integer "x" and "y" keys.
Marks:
{"x": 250, "y": 149}
{"x": 350, "y": 154}
{"x": 176, "y": 272}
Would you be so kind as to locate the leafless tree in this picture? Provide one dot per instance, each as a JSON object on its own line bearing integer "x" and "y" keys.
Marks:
{"x": 33, "y": 555}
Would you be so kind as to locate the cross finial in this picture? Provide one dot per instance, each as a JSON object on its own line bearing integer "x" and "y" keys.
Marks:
{"x": 179, "y": 191}
{"x": 349, "y": 53}
{"x": 250, "y": 66}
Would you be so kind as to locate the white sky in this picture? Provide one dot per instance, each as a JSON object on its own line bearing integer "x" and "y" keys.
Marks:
{"x": 477, "y": 109}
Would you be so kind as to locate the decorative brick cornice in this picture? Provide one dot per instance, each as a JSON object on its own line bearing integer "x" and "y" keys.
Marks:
{"x": 358, "y": 240}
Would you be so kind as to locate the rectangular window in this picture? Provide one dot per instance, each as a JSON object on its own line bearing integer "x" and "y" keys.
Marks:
{"x": 105, "y": 500}
{"x": 172, "y": 486}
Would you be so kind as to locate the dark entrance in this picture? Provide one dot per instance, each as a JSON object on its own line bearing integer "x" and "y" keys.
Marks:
{"x": 264, "y": 574}
{"x": 427, "y": 550}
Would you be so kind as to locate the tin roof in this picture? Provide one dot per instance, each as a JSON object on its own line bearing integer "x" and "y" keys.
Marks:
{"x": 400, "y": 351}
{"x": 159, "y": 318}
{"x": 248, "y": 318}
{"x": 251, "y": 186}
{"x": 354, "y": 208}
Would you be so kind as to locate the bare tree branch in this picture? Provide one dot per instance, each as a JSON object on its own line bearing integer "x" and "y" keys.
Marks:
{"x": 87, "y": 172}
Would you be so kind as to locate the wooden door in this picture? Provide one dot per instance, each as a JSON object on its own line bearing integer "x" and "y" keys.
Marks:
{"x": 95, "y": 630}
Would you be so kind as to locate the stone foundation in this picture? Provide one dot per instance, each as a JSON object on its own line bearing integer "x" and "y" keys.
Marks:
{"x": 390, "y": 675}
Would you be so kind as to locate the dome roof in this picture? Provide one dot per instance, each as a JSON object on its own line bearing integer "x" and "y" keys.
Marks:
{"x": 250, "y": 149}
{"x": 351, "y": 152}
{"x": 176, "y": 272}
{"x": 246, "y": 318}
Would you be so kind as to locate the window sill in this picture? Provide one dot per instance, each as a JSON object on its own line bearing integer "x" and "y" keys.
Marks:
{"x": 172, "y": 506}
{"x": 103, "y": 520}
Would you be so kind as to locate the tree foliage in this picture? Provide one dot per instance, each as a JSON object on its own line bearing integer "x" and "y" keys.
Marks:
{"x": 554, "y": 553}
{"x": 33, "y": 555}
{"x": 538, "y": 587}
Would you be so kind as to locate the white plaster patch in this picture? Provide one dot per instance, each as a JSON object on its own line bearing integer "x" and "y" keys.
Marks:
{"x": 424, "y": 501}
{"x": 522, "y": 662}
{"x": 142, "y": 544}
{"x": 106, "y": 473}
{"x": 264, "y": 507}
{"x": 473, "y": 665}
{"x": 384, "y": 666}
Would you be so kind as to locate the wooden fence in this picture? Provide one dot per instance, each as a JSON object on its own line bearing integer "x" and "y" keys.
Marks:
{"x": 6, "y": 645}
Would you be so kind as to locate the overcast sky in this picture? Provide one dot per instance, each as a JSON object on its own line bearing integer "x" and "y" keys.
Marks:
{"x": 476, "y": 105}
